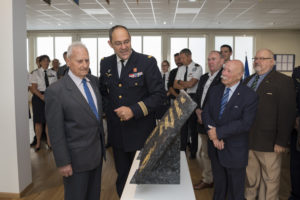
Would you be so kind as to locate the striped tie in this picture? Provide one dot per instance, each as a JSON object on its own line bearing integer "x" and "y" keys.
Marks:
{"x": 254, "y": 84}
{"x": 224, "y": 101}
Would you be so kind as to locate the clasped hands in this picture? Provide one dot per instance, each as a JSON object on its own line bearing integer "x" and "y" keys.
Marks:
{"x": 124, "y": 113}
{"x": 212, "y": 134}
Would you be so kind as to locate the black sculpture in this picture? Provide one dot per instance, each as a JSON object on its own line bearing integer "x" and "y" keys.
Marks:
{"x": 160, "y": 157}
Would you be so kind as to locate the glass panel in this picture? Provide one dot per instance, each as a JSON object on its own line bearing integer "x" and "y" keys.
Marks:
{"x": 104, "y": 49}
{"x": 91, "y": 44}
{"x": 45, "y": 46}
{"x": 244, "y": 46}
{"x": 61, "y": 45}
{"x": 177, "y": 44}
{"x": 198, "y": 46}
{"x": 136, "y": 43}
{"x": 152, "y": 46}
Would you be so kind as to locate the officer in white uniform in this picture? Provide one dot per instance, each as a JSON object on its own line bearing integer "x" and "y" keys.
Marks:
{"x": 40, "y": 80}
{"x": 187, "y": 79}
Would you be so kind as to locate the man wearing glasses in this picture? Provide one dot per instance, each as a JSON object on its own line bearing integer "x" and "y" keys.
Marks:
{"x": 270, "y": 132}
{"x": 132, "y": 89}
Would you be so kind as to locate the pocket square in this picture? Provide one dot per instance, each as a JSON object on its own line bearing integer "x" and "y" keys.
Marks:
{"x": 269, "y": 93}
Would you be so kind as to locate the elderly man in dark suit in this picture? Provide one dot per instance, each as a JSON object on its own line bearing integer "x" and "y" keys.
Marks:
{"x": 207, "y": 81}
{"x": 132, "y": 89}
{"x": 74, "y": 110}
{"x": 270, "y": 133}
{"x": 227, "y": 116}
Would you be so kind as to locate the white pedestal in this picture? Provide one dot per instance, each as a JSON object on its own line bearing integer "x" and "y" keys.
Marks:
{"x": 181, "y": 191}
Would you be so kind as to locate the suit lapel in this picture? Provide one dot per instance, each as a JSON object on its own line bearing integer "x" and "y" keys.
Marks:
{"x": 214, "y": 82}
{"x": 235, "y": 96}
{"x": 77, "y": 96}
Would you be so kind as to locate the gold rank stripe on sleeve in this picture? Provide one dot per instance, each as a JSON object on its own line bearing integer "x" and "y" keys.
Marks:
{"x": 143, "y": 107}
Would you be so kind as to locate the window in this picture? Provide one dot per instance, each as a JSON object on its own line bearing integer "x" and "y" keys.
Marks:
{"x": 152, "y": 46}
{"x": 91, "y": 45}
{"x": 61, "y": 45}
{"x": 104, "y": 49}
{"x": 242, "y": 46}
{"x": 197, "y": 45}
{"x": 45, "y": 46}
{"x": 136, "y": 43}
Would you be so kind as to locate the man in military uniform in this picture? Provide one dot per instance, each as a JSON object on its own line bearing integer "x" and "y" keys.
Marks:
{"x": 132, "y": 89}
{"x": 187, "y": 78}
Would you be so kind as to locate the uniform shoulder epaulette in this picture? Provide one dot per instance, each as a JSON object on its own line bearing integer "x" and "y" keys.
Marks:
{"x": 102, "y": 58}
{"x": 197, "y": 65}
{"x": 149, "y": 56}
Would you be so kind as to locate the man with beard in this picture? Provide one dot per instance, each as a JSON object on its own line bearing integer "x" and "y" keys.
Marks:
{"x": 132, "y": 89}
{"x": 270, "y": 133}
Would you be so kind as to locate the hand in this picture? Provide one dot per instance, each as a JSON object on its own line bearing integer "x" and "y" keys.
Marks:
{"x": 279, "y": 149}
{"x": 124, "y": 113}
{"x": 219, "y": 144}
{"x": 66, "y": 170}
{"x": 212, "y": 134}
{"x": 198, "y": 113}
{"x": 42, "y": 97}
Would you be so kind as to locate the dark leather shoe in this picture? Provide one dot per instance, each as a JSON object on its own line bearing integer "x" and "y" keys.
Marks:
{"x": 203, "y": 185}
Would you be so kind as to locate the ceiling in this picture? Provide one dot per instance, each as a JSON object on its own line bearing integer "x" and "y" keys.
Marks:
{"x": 163, "y": 14}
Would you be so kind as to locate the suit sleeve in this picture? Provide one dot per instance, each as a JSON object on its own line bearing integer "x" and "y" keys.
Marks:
{"x": 155, "y": 90}
{"x": 243, "y": 124}
{"x": 206, "y": 114}
{"x": 55, "y": 122}
{"x": 102, "y": 88}
{"x": 286, "y": 112}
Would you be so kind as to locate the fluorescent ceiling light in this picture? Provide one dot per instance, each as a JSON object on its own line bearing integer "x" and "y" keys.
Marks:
{"x": 278, "y": 11}
{"x": 96, "y": 11}
{"x": 187, "y": 10}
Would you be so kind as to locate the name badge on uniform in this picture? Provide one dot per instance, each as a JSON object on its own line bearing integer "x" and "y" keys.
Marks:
{"x": 51, "y": 75}
{"x": 194, "y": 69}
{"x": 136, "y": 75}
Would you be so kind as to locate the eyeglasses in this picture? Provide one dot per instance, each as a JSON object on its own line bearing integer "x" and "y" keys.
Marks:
{"x": 260, "y": 58}
{"x": 119, "y": 43}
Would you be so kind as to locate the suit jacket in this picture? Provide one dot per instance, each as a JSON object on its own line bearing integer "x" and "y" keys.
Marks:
{"x": 199, "y": 93}
{"x": 139, "y": 87}
{"x": 276, "y": 112}
{"x": 172, "y": 77}
{"x": 234, "y": 125}
{"x": 75, "y": 133}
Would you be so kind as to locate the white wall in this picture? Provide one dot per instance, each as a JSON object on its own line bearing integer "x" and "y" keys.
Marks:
{"x": 15, "y": 167}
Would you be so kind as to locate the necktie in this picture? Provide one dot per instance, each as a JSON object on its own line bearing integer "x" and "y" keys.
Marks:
{"x": 46, "y": 79}
{"x": 224, "y": 101}
{"x": 185, "y": 75}
{"x": 164, "y": 78}
{"x": 254, "y": 84}
{"x": 122, "y": 64}
{"x": 90, "y": 98}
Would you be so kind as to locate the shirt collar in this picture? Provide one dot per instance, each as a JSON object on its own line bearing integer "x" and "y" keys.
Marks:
{"x": 76, "y": 79}
{"x": 232, "y": 88}
{"x": 215, "y": 74}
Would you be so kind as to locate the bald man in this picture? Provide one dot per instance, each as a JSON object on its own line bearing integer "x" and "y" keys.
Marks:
{"x": 270, "y": 133}
{"x": 228, "y": 115}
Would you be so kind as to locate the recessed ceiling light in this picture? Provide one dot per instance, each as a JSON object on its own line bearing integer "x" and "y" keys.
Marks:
{"x": 110, "y": 23}
{"x": 278, "y": 11}
{"x": 165, "y": 22}
{"x": 192, "y": 0}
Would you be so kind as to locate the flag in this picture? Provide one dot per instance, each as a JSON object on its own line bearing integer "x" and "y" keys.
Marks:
{"x": 48, "y": 1}
{"x": 246, "y": 74}
{"x": 76, "y": 1}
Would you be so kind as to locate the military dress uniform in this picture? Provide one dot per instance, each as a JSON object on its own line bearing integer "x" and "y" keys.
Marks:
{"x": 139, "y": 86}
{"x": 186, "y": 73}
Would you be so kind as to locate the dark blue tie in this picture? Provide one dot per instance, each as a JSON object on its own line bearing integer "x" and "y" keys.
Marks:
{"x": 224, "y": 101}
{"x": 90, "y": 98}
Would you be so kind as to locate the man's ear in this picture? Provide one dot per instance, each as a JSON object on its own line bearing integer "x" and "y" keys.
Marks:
{"x": 110, "y": 44}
